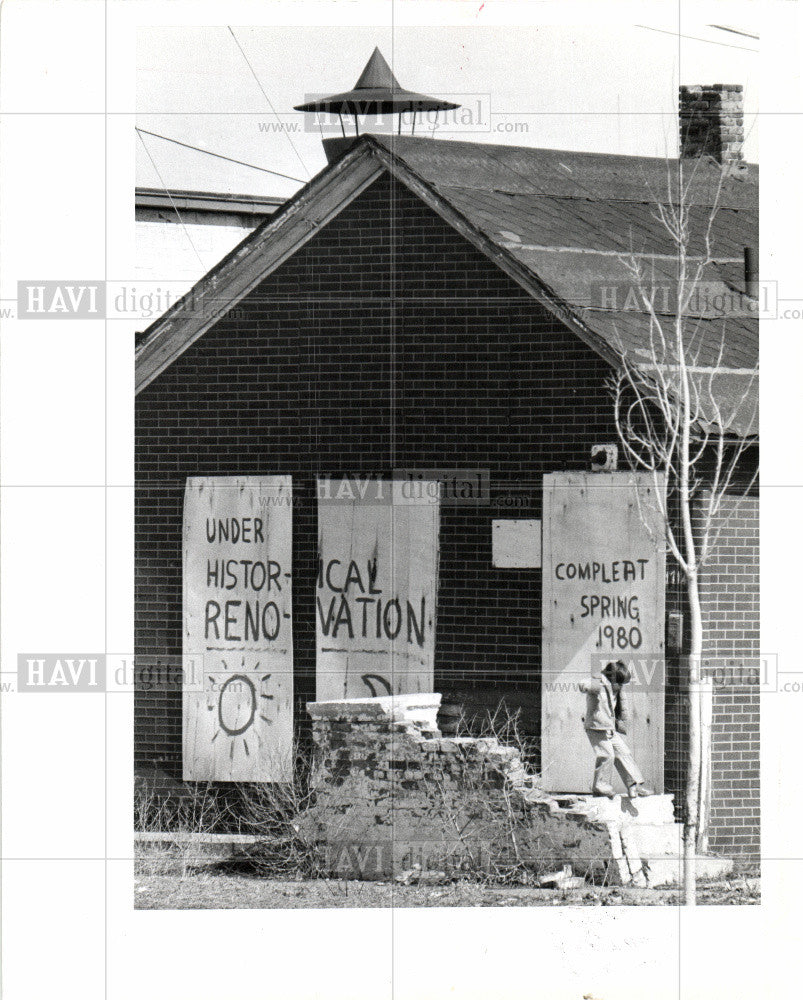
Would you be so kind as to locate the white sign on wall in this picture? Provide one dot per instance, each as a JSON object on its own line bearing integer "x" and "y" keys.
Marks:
{"x": 516, "y": 543}
{"x": 603, "y": 599}
{"x": 238, "y": 624}
{"x": 376, "y": 589}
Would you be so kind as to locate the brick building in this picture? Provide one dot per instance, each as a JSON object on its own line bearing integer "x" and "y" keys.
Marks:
{"x": 437, "y": 305}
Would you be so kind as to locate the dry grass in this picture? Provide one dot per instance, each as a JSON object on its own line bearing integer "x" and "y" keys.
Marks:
{"x": 270, "y": 811}
{"x": 197, "y": 813}
{"x": 496, "y": 818}
{"x": 217, "y": 891}
{"x": 502, "y": 724}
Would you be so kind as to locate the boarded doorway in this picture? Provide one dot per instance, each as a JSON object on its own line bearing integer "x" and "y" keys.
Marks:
{"x": 238, "y": 629}
{"x": 376, "y": 588}
{"x": 603, "y": 599}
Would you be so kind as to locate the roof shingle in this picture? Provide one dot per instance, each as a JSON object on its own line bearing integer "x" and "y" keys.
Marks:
{"x": 581, "y": 222}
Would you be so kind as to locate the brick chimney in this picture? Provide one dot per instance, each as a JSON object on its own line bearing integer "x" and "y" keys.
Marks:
{"x": 712, "y": 122}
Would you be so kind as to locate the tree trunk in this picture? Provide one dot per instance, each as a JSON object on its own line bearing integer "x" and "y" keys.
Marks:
{"x": 693, "y": 776}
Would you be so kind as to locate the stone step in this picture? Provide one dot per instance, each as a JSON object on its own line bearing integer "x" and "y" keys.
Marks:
{"x": 566, "y": 801}
{"x": 656, "y": 839}
{"x": 669, "y": 870}
{"x": 207, "y": 846}
{"x": 652, "y": 809}
{"x": 536, "y": 796}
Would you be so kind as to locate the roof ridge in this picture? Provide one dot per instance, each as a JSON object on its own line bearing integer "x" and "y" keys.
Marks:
{"x": 626, "y": 157}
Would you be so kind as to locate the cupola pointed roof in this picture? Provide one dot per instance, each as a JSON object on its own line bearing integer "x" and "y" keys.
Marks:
{"x": 377, "y": 74}
{"x": 377, "y": 92}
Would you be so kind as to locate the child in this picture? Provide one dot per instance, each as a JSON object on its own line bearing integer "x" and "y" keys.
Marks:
{"x": 606, "y": 718}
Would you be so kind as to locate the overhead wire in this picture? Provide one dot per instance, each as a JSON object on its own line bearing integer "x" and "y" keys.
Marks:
{"x": 170, "y": 196}
{"x": 270, "y": 103}
{"x": 695, "y": 38}
{"x": 734, "y": 31}
{"x": 220, "y": 156}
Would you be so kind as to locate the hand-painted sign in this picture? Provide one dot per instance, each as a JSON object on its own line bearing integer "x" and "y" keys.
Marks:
{"x": 376, "y": 588}
{"x": 237, "y": 621}
{"x": 603, "y": 599}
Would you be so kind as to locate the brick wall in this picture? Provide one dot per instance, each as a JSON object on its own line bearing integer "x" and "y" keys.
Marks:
{"x": 731, "y": 616}
{"x": 386, "y": 342}
{"x": 729, "y": 591}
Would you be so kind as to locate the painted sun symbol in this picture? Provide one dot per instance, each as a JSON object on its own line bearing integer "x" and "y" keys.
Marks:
{"x": 239, "y": 706}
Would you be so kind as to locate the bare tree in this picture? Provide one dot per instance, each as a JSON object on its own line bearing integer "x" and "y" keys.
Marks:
{"x": 672, "y": 419}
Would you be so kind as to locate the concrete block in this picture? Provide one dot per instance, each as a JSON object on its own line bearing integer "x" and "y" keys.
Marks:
{"x": 621, "y": 809}
{"x": 397, "y": 708}
{"x": 621, "y": 871}
{"x": 563, "y": 879}
{"x": 199, "y": 846}
{"x": 657, "y": 839}
{"x": 669, "y": 870}
{"x": 631, "y": 851}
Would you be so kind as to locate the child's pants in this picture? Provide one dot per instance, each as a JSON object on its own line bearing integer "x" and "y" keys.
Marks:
{"x": 611, "y": 749}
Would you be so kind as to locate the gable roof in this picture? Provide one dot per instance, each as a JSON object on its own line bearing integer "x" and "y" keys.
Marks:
{"x": 559, "y": 223}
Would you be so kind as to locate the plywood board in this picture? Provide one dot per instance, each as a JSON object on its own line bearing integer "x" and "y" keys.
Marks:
{"x": 376, "y": 589}
{"x": 238, "y": 722}
{"x": 603, "y": 599}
